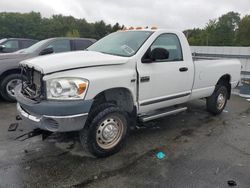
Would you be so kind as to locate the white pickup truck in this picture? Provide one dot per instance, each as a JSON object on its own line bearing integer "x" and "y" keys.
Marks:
{"x": 126, "y": 76}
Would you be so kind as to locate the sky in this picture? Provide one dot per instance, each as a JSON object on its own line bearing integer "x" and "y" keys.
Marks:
{"x": 172, "y": 14}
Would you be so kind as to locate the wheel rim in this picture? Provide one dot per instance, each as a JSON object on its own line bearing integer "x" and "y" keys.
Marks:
{"x": 109, "y": 132}
{"x": 10, "y": 87}
{"x": 221, "y": 101}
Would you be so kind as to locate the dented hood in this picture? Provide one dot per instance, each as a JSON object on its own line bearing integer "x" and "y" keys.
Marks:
{"x": 72, "y": 60}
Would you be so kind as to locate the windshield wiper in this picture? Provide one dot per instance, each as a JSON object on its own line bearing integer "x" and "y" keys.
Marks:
{"x": 113, "y": 54}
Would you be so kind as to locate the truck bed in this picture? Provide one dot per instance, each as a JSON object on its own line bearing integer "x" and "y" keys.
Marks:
{"x": 209, "y": 70}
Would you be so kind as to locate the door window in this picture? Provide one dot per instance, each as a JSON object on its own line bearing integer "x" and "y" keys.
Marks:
{"x": 11, "y": 45}
{"x": 60, "y": 46}
{"x": 82, "y": 44}
{"x": 27, "y": 43}
{"x": 171, "y": 43}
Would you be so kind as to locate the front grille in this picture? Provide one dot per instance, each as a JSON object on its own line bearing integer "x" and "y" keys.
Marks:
{"x": 32, "y": 83}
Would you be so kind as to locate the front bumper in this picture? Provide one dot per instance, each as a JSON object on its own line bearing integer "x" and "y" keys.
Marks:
{"x": 53, "y": 123}
{"x": 54, "y": 116}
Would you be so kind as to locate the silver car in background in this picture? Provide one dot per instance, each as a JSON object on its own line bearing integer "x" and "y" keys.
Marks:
{"x": 9, "y": 63}
{"x": 8, "y": 45}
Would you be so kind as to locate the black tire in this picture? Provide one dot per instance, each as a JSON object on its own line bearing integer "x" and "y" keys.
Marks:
{"x": 214, "y": 105}
{"x": 3, "y": 87}
{"x": 89, "y": 138}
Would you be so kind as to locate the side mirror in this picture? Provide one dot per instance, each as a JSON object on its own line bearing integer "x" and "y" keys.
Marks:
{"x": 46, "y": 51}
{"x": 2, "y": 47}
{"x": 159, "y": 54}
{"x": 155, "y": 54}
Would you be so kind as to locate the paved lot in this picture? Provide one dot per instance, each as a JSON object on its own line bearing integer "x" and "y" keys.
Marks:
{"x": 201, "y": 151}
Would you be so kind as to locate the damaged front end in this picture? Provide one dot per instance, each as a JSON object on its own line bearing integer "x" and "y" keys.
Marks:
{"x": 38, "y": 112}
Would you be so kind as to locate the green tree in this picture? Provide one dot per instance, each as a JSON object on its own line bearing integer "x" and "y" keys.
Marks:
{"x": 210, "y": 33}
{"x": 101, "y": 29}
{"x": 243, "y": 35}
{"x": 226, "y": 28}
{"x": 116, "y": 27}
{"x": 74, "y": 33}
{"x": 20, "y": 25}
{"x": 32, "y": 25}
{"x": 195, "y": 36}
{"x": 217, "y": 32}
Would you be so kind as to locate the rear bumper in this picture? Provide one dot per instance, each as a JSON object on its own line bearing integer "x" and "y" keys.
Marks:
{"x": 54, "y": 116}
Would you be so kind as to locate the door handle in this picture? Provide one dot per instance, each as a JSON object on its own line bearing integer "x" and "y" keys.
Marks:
{"x": 183, "y": 69}
{"x": 145, "y": 78}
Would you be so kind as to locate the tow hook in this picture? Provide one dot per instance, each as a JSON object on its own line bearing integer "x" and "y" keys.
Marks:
{"x": 18, "y": 118}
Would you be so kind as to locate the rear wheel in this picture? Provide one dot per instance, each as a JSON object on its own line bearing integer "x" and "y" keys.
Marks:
{"x": 218, "y": 100}
{"x": 105, "y": 133}
{"x": 7, "y": 87}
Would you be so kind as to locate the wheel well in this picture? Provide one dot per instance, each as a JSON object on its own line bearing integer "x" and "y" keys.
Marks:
{"x": 122, "y": 97}
{"x": 225, "y": 80}
{"x": 8, "y": 72}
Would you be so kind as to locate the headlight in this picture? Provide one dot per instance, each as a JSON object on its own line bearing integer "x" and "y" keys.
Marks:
{"x": 66, "y": 88}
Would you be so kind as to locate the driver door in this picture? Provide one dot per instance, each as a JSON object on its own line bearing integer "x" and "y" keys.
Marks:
{"x": 164, "y": 82}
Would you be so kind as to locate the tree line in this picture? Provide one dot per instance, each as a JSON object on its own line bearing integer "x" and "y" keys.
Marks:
{"x": 33, "y": 25}
{"x": 228, "y": 30}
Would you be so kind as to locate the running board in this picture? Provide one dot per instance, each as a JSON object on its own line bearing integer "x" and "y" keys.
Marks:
{"x": 147, "y": 118}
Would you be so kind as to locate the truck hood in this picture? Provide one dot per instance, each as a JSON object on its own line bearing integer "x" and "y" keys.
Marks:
{"x": 5, "y": 56}
{"x": 72, "y": 60}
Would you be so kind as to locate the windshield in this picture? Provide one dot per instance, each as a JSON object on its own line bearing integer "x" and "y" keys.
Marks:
{"x": 121, "y": 43}
{"x": 34, "y": 47}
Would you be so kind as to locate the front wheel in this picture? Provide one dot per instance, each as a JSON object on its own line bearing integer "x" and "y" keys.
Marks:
{"x": 7, "y": 87}
{"x": 218, "y": 100}
{"x": 105, "y": 134}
